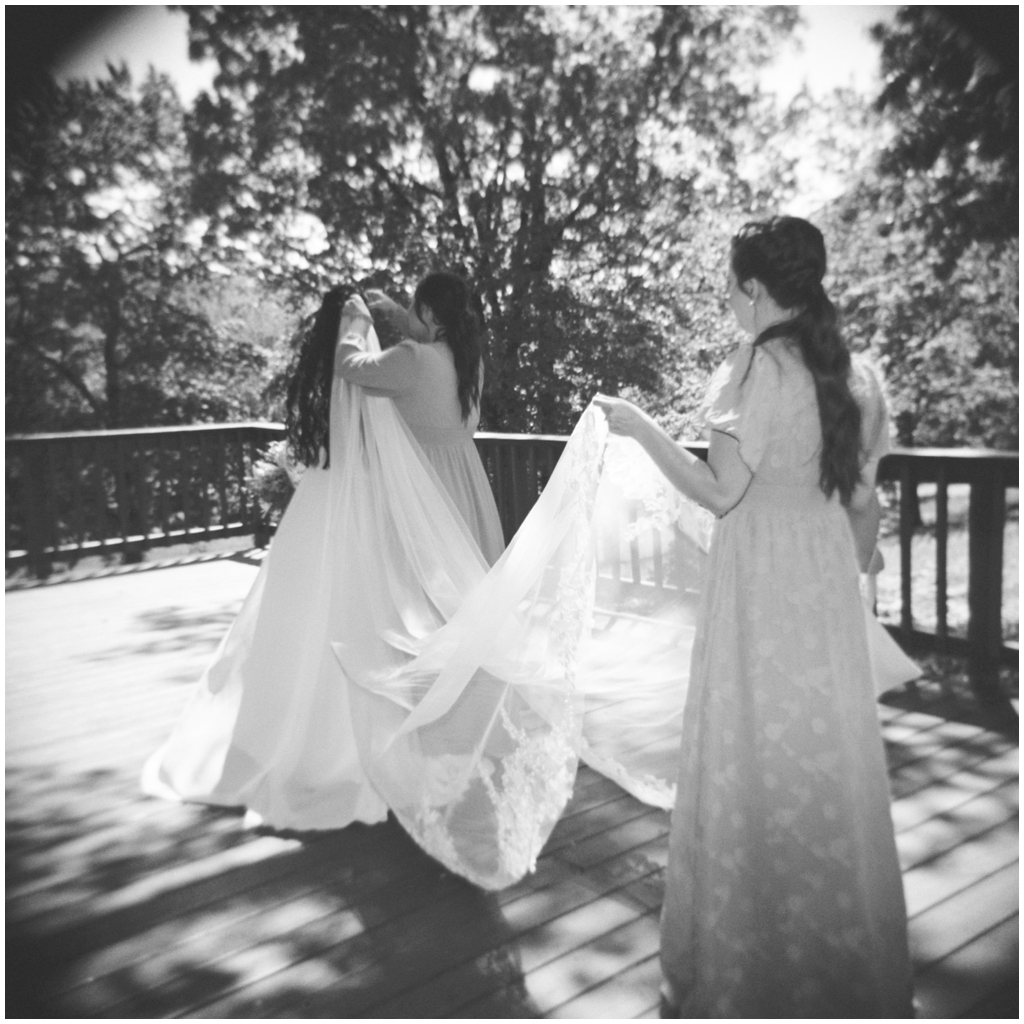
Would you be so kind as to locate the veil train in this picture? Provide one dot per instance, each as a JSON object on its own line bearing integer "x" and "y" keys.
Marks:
{"x": 378, "y": 664}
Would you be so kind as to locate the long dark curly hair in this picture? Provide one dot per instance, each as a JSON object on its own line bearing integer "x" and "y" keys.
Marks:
{"x": 449, "y": 298}
{"x": 787, "y": 255}
{"x": 308, "y": 406}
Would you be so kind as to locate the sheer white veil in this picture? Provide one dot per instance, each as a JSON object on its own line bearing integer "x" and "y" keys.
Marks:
{"x": 378, "y": 663}
{"x": 474, "y": 692}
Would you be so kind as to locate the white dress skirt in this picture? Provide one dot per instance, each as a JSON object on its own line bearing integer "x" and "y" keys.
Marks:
{"x": 380, "y": 662}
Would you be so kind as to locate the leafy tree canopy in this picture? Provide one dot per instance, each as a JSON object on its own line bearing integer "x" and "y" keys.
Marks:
{"x": 105, "y": 326}
{"x": 925, "y": 241}
{"x": 952, "y": 164}
{"x": 557, "y": 156}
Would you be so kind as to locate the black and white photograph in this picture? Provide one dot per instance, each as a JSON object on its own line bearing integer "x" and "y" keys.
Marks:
{"x": 512, "y": 511}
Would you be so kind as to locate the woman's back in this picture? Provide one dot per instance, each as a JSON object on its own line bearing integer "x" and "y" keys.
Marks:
{"x": 765, "y": 396}
{"x": 422, "y": 381}
{"x": 430, "y": 407}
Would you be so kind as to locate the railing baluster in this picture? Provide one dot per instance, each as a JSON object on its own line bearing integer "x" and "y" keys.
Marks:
{"x": 501, "y": 491}
{"x": 245, "y": 499}
{"x": 144, "y": 491}
{"x": 163, "y": 480}
{"x": 185, "y": 477}
{"x": 221, "y": 457}
{"x": 36, "y": 527}
{"x": 941, "y": 552}
{"x": 907, "y": 508}
{"x": 519, "y": 495}
{"x": 100, "y": 493}
{"x": 204, "y": 485}
{"x": 53, "y": 482}
{"x": 77, "y": 502}
{"x": 121, "y": 495}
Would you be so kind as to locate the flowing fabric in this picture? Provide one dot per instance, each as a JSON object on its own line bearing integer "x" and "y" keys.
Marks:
{"x": 379, "y": 663}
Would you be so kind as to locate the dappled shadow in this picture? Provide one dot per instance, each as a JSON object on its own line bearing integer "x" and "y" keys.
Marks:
{"x": 172, "y": 629}
{"x": 945, "y": 691}
{"x": 166, "y": 909}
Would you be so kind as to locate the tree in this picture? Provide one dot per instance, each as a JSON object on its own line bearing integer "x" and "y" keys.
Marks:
{"x": 952, "y": 164}
{"x": 557, "y": 156}
{"x": 100, "y": 330}
{"x": 925, "y": 241}
{"x": 948, "y": 344}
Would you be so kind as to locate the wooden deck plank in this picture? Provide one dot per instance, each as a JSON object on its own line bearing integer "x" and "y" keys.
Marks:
{"x": 119, "y": 905}
{"x": 571, "y": 975}
{"x": 963, "y": 979}
{"x": 944, "y": 927}
{"x": 266, "y": 913}
{"x": 611, "y": 897}
{"x": 950, "y": 791}
{"x": 631, "y": 994}
{"x": 957, "y": 869}
{"x": 967, "y": 819}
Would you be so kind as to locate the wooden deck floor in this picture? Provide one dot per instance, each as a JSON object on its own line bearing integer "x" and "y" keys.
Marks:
{"x": 123, "y": 906}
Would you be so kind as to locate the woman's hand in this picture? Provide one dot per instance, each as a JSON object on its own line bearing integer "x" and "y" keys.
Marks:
{"x": 623, "y": 417}
{"x": 355, "y": 318}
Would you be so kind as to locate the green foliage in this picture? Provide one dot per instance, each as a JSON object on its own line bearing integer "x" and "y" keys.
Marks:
{"x": 924, "y": 244}
{"x": 557, "y": 156}
{"x": 955, "y": 114}
{"x": 105, "y": 327}
{"x": 948, "y": 344}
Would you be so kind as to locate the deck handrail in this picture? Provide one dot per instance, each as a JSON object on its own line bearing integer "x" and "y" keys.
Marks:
{"x": 103, "y": 491}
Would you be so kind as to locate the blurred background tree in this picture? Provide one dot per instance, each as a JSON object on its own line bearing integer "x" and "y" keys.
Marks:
{"x": 925, "y": 240}
{"x": 584, "y": 167}
{"x": 108, "y": 316}
{"x": 556, "y": 156}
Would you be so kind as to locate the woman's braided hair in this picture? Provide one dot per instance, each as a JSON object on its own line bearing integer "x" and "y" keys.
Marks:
{"x": 787, "y": 255}
{"x": 308, "y": 406}
{"x": 449, "y": 297}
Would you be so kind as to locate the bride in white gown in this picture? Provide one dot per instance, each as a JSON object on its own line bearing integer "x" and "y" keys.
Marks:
{"x": 379, "y": 663}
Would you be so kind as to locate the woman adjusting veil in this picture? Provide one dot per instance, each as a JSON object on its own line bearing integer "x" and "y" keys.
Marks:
{"x": 379, "y": 663}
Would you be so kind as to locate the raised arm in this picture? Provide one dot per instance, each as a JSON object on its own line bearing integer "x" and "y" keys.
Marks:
{"x": 387, "y": 374}
{"x": 717, "y": 484}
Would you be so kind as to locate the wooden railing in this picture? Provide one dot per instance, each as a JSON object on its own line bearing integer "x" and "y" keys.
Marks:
{"x": 77, "y": 494}
{"x": 100, "y": 492}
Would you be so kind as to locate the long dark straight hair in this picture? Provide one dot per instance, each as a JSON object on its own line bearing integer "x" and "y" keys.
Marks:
{"x": 449, "y": 298}
{"x": 308, "y": 406}
{"x": 787, "y": 255}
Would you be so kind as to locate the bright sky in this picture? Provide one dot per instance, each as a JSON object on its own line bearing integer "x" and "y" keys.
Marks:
{"x": 142, "y": 36}
{"x": 831, "y": 49}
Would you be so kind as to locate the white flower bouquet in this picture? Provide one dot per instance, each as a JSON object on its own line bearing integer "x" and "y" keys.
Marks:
{"x": 273, "y": 479}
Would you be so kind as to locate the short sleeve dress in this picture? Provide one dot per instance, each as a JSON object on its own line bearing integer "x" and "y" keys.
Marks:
{"x": 423, "y": 383}
{"x": 784, "y": 895}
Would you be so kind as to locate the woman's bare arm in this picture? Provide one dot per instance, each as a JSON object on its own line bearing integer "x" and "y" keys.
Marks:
{"x": 717, "y": 484}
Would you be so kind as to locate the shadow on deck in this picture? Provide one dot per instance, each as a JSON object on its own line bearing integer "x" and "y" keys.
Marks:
{"x": 118, "y": 905}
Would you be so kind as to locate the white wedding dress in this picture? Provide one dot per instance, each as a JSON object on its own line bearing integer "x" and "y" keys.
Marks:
{"x": 378, "y": 662}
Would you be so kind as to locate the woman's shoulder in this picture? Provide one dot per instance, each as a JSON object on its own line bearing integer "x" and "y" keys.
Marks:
{"x": 746, "y": 378}
{"x": 745, "y": 365}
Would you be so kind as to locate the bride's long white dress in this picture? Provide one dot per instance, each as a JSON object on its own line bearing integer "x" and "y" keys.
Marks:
{"x": 380, "y": 663}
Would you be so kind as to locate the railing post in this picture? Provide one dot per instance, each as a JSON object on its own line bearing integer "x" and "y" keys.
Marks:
{"x": 986, "y": 521}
